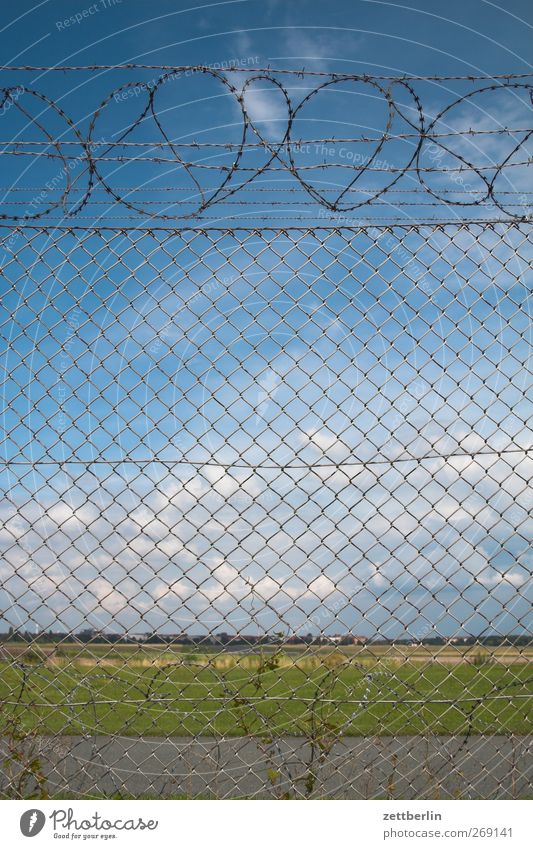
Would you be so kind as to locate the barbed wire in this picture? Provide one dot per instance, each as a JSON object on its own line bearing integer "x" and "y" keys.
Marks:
{"x": 268, "y": 69}
{"x": 142, "y": 461}
{"x": 259, "y": 145}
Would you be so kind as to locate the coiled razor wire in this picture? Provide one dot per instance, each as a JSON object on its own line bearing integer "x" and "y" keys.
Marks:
{"x": 266, "y": 509}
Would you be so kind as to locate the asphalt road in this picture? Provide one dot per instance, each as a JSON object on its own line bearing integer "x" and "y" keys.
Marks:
{"x": 482, "y": 767}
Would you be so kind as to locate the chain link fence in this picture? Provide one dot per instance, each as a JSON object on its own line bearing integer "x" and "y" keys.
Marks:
{"x": 265, "y": 503}
{"x": 266, "y": 511}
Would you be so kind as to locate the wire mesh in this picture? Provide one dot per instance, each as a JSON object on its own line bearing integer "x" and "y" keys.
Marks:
{"x": 266, "y": 512}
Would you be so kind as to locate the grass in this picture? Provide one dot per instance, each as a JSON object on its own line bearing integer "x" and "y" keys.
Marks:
{"x": 133, "y": 692}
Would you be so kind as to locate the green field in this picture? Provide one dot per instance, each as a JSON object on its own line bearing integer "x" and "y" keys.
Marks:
{"x": 137, "y": 691}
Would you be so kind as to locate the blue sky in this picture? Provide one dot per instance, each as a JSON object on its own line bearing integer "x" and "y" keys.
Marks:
{"x": 217, "y": 361}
